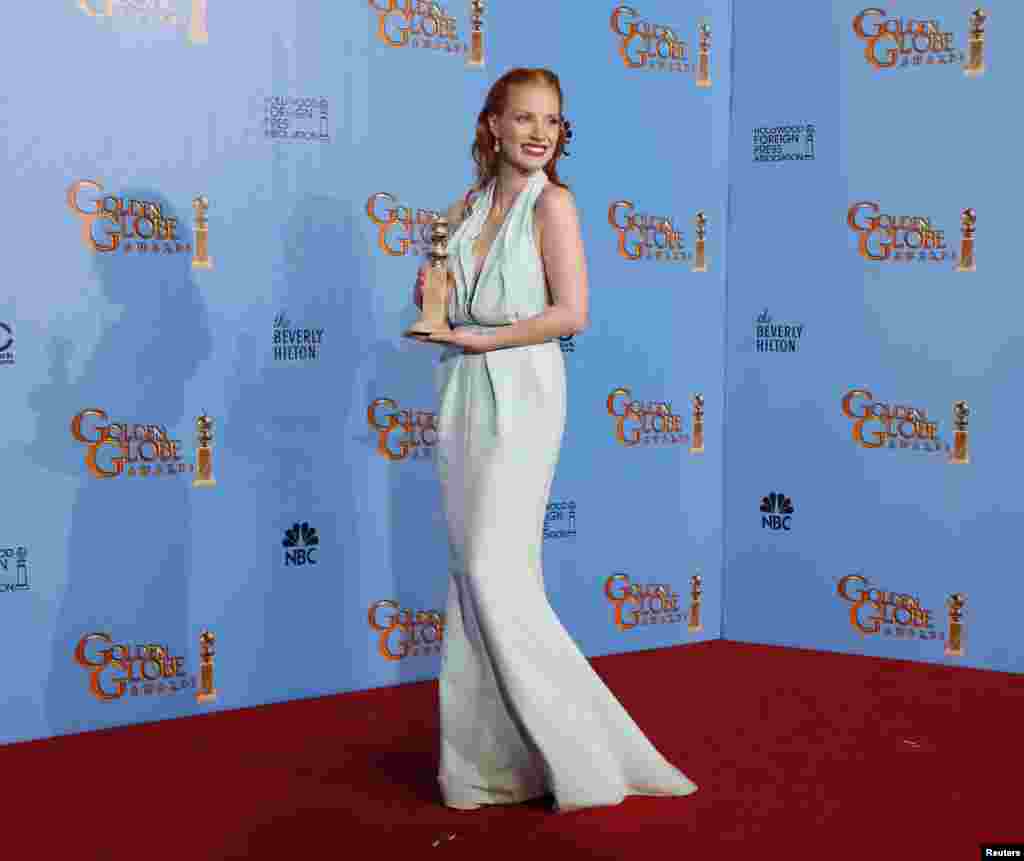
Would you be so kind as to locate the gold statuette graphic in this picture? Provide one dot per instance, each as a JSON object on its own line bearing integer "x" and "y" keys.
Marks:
{"x": 968, "y": 218}
{"x": 696, "y": 591}
{"x": 207, "y": 692}
{"x": 436, "y": 285}
{"x": 960, "y": 453}
{"x": 700, "y": 260}
{"x": 976, "y": 45}
{"x": 475, "y": 58}
{"x": 955, "y": 641}
{"x": 697, "y": 441}
{"x": 204, "y": 452}
{"x": 201, "y": 255}
{"x": 197, "y": 32}
{"x": 704, "y": 57}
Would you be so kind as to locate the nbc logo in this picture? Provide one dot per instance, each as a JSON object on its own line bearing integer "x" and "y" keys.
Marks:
{"x": 301, "y": 544}
{"x": 776, "y": 512}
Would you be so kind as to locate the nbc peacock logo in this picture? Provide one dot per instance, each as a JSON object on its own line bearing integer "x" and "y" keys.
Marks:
{"x": 301, "y": 545}
{"x": 776, "y": 512}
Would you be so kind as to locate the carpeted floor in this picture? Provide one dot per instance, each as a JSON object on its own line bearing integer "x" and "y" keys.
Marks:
{"x": 798, "y": 755}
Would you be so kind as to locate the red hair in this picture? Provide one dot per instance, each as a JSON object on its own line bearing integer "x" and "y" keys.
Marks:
{"x": 497, "y": 100}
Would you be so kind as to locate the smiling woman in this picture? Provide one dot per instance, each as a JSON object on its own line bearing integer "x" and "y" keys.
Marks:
{"x": 523, "y": 714}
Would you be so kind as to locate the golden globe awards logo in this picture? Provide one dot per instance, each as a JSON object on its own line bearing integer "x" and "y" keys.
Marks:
{"x": 875, "y": 611}
{"x": 642, "y": 236}
{"x": 877, "y": 424}
{"x": 644, "y": 422}
{"x": 404, "y": 633}
{"x": 636, "y": 605}
{"x": 111, "y": 223}
{"x": 116, "y": 449}
{"x": 421, "y": 24}
{"x": 401, "y": 229}
{"x": 117, "y": 669}
{"x": 643, "y": 44}
{"x": 402, "y": 434}
{"x": 896, "y": 238}
{"x": 902, "y": 42}
{"x": 157, "y": 13}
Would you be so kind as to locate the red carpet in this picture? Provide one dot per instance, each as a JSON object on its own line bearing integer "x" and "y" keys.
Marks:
{"x": 798, "y": 755}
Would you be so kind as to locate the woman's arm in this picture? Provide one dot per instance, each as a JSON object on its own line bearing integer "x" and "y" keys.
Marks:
{"x": 561, "y": 247}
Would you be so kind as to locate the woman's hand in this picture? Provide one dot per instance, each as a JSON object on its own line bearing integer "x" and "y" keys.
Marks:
{"x": 471, "y": 342}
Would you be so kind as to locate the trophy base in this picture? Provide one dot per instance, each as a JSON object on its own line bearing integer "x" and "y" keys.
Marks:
{"x": 204, "y": 482}
{"x": 975, "y": 72}
{"x": 693, "y": 629}
{"x": 704, "y": 84}
{"x": 962, "y": 268}
{"x": 203, "y": 264}
{"x": 207, "y": 698}
{"x": 697, "y": 450}
{"x": 956, "y": 462}
{"x": 703, "y": 268}
{"x": 475, "y": 64}
{"x": 954, "y": 653}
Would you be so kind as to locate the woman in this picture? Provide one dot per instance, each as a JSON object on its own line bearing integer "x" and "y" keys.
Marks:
{"x": 523, "y": 714}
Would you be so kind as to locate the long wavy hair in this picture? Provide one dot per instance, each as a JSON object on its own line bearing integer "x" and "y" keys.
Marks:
{"x": 497, "y": 99}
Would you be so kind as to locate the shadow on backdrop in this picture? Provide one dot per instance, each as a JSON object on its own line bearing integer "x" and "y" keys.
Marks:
{"x": 129, "y": 553}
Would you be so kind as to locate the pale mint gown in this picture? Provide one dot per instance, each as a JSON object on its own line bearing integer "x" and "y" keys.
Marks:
{"x": 522, "y": 711}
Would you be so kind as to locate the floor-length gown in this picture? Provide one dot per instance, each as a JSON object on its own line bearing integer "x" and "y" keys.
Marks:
{"x": 523, "y": 713}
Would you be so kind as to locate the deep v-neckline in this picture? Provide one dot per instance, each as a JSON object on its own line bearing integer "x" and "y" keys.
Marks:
{"x": 480, "y": 262}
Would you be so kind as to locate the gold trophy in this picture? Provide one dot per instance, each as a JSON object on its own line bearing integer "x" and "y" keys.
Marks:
{"x": 204, "y": 453}
{"x": 207, "y": 692}
{"x": 475, "y": 58}
{"x": 700, "y": 262}
{"x": 434, "y": 317}
{"x": 197, "y": 32}
{"x": 960, "y": 452}
{"x": 968, "y": 218}
{"x": 697, "y": 441}
{"x": 695, "y": 601}
{"x": 201, "y": 255}
{"x": 976, "y": 45}
{"x": 704, "y": 58}
{"x": 955, "y": 642}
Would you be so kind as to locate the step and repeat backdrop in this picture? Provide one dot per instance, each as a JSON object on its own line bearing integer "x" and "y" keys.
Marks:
{"x": 875, "y": 343}
{"x": 217, "y": 449}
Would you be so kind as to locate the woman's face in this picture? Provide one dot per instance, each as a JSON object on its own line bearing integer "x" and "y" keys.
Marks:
{"x": 529, "y": 127}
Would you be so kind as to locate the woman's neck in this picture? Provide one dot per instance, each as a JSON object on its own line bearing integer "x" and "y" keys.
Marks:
{"x": 510, "y": 181}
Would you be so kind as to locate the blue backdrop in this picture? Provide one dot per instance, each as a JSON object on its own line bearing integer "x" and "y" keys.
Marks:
{"x": 323, "y": 137}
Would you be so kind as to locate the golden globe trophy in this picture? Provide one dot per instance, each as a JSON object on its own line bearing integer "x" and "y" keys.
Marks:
{"x": 704, "y": 57}
{"x": 960, "y": 453}
{"x": 207, "y": 692}
{"x": 968, "y": 218}
{"x": 204, "y": 453}
{"x": 697, "y": 441}
{"x": 201, "y": 255}
{"x": 475, "y": 57}
{"x": 434, "y": 317}
{"x": 695, "y": 601}
{"x": 955, "y": 642}
{"x": 700, "y": 261}
{"x": 975, "y": 65}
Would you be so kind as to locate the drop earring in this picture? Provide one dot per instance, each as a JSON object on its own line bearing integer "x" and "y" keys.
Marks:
{"x": 497, "y": 145}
